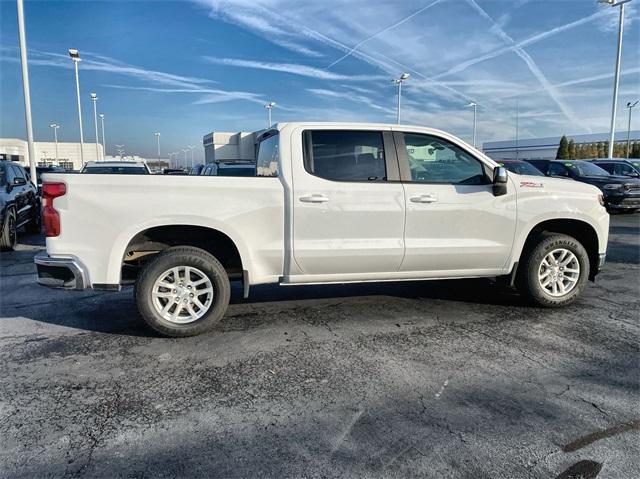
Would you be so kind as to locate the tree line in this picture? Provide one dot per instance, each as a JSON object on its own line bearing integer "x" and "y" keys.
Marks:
{"x": 570, "y": 150}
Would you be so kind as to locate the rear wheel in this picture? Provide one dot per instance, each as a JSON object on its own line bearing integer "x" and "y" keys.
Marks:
{"x": 554, "y": 271}
{"x": 9, "y": 236}
{"x": 183, "y": 291}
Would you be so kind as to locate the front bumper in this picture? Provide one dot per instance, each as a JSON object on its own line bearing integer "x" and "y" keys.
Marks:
{"x": 623, "y": 202}
{"x": 66, "y": 273}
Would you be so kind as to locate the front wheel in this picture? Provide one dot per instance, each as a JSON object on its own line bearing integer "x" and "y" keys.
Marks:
{"x": 9, "y": 233}
{"x": 554, "y": 272}
{"x": 183, "y": 291}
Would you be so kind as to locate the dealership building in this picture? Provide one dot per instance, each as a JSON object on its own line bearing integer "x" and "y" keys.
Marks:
{"x": 68, "y": 157}
{"x": 546, "y": 148}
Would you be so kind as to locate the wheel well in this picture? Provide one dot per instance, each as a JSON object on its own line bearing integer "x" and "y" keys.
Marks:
{"x": 583, "y": 232}
{"x": 146, "y": 244}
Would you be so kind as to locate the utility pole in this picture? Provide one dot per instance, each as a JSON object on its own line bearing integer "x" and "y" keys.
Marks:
{"x": 475, "y": 107}
{"x": 94, "y": 99}
{"x": 630, "y": 106}
{"x": 157, "y": 135}
{"x": 269, "y": 106}
{"x": 399, "y": 81}
{"x": 26, "y": 92}
{"x": 75, "y": 57}
{"x": 616, "y": 81}
{"x": 55, "y": 127}
{"x": 104, "y": 142}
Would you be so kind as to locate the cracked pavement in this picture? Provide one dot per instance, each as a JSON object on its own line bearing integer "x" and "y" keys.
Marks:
{"x": 420, "y": 379}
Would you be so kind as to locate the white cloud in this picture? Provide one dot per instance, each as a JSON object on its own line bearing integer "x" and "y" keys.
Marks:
{"x": 292, "y": 68}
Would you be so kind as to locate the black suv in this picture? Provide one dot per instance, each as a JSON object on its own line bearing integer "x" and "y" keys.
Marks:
{"x": 621, "y": 193}
{"x": 620, "y": 166}
{"x": 19, "y": 204}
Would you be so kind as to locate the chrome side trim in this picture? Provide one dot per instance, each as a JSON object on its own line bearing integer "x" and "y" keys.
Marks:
{"x": 79, "y": 272}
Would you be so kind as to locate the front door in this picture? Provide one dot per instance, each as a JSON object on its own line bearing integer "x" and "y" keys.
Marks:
{"x": 455, "y": 225}
{"x": 348, "y": 218}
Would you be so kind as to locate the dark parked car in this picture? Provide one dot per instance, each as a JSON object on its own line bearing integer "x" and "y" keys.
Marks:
{"x": 196, "y": 170}
{"x": 620, "y": 166}
{"x": 19, "y": 204}
{"x": 520, "y": 167}
{"x": 230, "y": 168}
{"x": 621, "y": 193}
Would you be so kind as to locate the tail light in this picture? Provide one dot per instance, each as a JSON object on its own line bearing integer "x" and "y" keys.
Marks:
{"x": 50, "y": 217}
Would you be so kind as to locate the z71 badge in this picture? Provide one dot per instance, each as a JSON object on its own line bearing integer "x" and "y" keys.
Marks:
{"x": 531, "y": 184}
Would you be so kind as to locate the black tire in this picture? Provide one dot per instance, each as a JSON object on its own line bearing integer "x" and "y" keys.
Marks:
{"x": 527, "y": 280}
{"x": 35, "y": 225}
{"x": 182, "y": 256}
{"x": 9, "y": 236}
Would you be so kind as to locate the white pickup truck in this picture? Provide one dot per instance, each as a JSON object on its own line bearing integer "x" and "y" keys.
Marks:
{"x": 330, "y": 203}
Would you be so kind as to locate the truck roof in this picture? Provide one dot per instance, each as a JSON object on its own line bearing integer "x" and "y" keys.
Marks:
{"x": 90, "y": 164}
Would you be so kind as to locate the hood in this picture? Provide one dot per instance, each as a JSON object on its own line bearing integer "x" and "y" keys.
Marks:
{"x": 604, "y": 180}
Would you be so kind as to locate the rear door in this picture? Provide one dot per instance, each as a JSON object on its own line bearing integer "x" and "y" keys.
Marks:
{"x": 454, "y": 223}
{"x": 348, "y": 205}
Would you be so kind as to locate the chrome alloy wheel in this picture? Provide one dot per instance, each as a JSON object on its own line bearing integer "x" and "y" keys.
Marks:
{"x": 182, "y": 294}
{"x": 559, "y": 272}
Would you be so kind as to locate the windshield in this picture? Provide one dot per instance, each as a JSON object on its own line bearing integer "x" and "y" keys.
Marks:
{"x": 584, "y": 168}
{"x": 522, "y": 168}
{"x": 116, "y": 170}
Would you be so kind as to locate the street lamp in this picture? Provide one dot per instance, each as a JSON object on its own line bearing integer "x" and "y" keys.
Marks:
{"x": 120, "y": 150}
{"x": 26, "y": 92}
{"x": 55, "y": 127}
{"x": 475, "y": 107}
{"x": 185, "y": 156}
{"x": 191, "y": 147}
{"x": 157, "y": 135}
{"x": 630, "y": 106}
{"x": 75, "y": 57}
{"x": 94, "y": 99}
{"x": 269, "y": 106}
{"x": 104, "y": 142}
{"x": 616, "y": 82}
{"x": 398, "y": 81}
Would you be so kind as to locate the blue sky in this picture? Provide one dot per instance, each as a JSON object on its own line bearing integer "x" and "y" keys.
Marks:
{"x": 192, "y": 67}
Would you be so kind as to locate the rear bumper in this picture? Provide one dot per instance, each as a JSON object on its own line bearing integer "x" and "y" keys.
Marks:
{"x": 66, "y": 273}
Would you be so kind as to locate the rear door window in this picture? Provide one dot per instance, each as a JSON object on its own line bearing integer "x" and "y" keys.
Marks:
{"x": 345, "y": 155}
{"x": 558, "y": 169}
{"x": 267, "y": 162}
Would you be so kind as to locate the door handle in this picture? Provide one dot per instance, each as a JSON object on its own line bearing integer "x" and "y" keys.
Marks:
{"x": 314, "y": 199}
{"x": 423, "y": 199}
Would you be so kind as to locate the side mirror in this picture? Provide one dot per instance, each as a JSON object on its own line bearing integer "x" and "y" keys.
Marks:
{"x": 500, "y": 176}
{"x": 633, "y": 174}
{"x": 19, "y": 181}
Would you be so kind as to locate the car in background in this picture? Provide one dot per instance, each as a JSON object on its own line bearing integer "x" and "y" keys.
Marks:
{"x": 621, "y": 193}
{"x": 520, "y": 167}
{"x": 174, "y": 171}
{"x": 620, "y": 166}
{"x": 19, "y": 204}
{"x": 116, "y": 168}
{"x": 230, "y": 168}
{"x": 40, "y": 170}
{"x": 196, "y": 170}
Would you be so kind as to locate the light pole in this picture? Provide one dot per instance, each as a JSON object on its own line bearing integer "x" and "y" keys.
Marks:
{"x": 630, "y": 106}
{"x": 185, "y": 156}
{"x": 475, "y": 107}
{"x": 94, "y": 99}
{"x": 398, "y": 81}
{"x": 191, "y": 147}
{"x": 120, "y": 150}
{"x": 75, "y": 57}
{"x": 27, "y": 92}
{"x": 55, "y": 127}
{"x": 104, "y": 143}
{"x": 157, "y": 135}
{"x": 269, "y": 106}
{"x": 616, "y": 82}
{"x": 517, "y": 126}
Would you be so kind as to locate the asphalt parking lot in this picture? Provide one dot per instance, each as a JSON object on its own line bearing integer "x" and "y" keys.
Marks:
{"x": 425, "y": 379}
